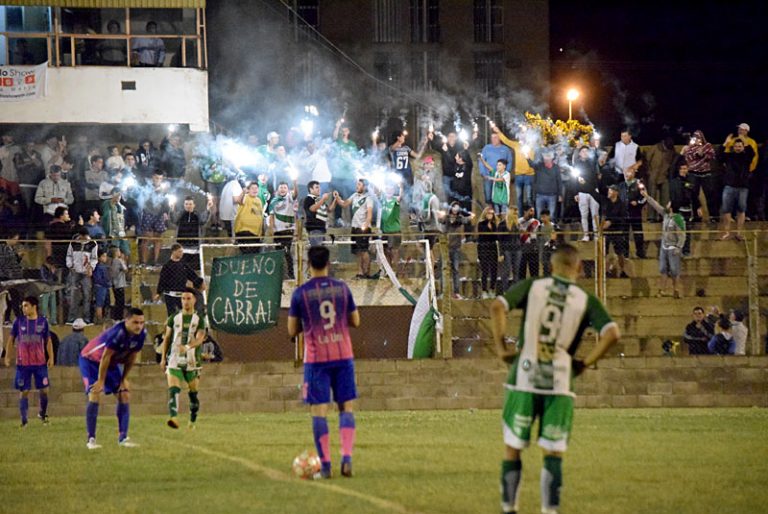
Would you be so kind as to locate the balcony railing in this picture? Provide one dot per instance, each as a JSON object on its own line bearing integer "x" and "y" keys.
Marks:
{"x": 108, "y": 49}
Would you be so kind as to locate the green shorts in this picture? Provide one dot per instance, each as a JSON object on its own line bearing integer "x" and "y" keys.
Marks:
{"x": 555, "y": 413}
{"x": 183, "y": 374}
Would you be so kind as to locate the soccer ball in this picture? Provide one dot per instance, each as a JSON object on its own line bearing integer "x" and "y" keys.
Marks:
{"x": 306, "y": 465}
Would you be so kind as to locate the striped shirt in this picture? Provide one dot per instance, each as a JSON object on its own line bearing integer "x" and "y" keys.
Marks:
{"x": 30, "y": 337}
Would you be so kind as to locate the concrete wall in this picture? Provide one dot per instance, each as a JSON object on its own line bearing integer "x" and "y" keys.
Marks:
{"x": 709, "y": 381}
{"x": 94, "y": 95}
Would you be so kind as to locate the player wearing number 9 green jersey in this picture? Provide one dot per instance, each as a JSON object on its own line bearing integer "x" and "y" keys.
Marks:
{"x": 540, "y": 383}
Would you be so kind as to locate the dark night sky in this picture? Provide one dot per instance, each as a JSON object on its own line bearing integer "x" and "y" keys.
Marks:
{"x": 682, "y": 64}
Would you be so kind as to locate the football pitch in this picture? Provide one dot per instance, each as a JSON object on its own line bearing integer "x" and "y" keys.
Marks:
{"x": 633, "y": 461}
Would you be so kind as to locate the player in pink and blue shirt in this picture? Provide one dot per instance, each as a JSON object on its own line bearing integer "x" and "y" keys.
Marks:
{"x": 323, "y": 308}
{"x": 104, "y": 365}
{"x": 32, "y": 338}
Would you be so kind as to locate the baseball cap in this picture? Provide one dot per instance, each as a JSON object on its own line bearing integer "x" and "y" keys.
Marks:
{"x": 428, "y": 158}
{"x": 744, "y": 126}
{"x": 79, "y": 324}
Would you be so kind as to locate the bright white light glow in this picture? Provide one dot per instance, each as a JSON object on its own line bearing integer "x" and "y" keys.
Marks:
{"x": 307, "y": 127}
{"x": 572, "y": 95}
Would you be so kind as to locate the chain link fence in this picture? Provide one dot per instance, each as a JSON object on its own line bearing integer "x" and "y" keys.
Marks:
{"x": 717, "y": 275}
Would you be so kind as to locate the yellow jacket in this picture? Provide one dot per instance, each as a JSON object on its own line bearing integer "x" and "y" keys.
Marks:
{"x": 250, "y": 216}
{"x": 749, "y": 141}
{"x": 521, "y": 161}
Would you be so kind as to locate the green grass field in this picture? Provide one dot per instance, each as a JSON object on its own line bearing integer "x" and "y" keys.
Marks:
{"x": 634, "y": 461}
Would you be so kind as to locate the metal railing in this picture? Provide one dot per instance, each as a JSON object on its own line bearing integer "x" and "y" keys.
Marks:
{"x": 722, "y": 273}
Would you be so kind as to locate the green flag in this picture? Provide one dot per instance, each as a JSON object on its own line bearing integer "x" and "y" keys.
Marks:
{"x": 245, "y": 290}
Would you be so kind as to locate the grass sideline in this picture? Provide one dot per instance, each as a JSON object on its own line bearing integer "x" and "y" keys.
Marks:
{"x": 620, "y": 460}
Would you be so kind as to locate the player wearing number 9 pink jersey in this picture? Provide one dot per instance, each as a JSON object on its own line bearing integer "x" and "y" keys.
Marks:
{"x": 323, "y": 308}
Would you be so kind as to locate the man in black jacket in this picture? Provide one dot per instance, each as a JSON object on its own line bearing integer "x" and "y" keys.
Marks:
{"x": 447, "y": 148}
{"x": 736, "y": 175}
{"x": 173, "y": 280}
{"x": 614, "y": 223}
{"x": 189, "y": 225}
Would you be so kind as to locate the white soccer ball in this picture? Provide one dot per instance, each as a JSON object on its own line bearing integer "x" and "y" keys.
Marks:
{"x": 306, "y": 465}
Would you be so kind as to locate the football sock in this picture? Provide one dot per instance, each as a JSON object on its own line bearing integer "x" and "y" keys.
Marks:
{"x": 320, "y": 431}
{"x": 551, "y": 481}
{"x": 173, "y": 401}
{"x": 91, "y": 415}
{"x": 24, "y": 409}
{"x": 43, "y": 405}
{"x": 123, "y": 417}
{"x": 194, "y": 406}
{"x": 511, "y": 473}
{"x": 347, "y": 434}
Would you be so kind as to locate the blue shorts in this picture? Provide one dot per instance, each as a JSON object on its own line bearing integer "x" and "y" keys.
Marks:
{"x": 321, "y": 378}
{"x": 102, "y": 296}
{"x": 734, "y": 199}
{"x": 23, "y": 380}
{"x": 89, "y": 370}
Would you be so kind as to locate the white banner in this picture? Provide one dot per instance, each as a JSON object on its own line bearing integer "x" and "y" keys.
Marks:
{"x": 19, "y": 83}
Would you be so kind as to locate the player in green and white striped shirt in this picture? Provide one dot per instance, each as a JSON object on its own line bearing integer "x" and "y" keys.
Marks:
{"x": 540, "y": 383}
{"x": 183, "y": 353}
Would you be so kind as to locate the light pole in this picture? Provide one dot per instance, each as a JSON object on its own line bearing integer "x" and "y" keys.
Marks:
{"x": 571, "y": 95}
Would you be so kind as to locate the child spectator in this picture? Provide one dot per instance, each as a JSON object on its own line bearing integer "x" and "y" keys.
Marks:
{"x": 722, "y": 342}
{"x": 453, "y": 224}
{"x": 509, "y": 246}
{"x": 49, "y": 276}
{"x": 488, "y": 251}
{"x": 115, "y": 161}
{"x": 500, "y": 180}
{"x": 547, "y": 241}
{"x": 117, "y": 269}
{"x": 102, "y": 283}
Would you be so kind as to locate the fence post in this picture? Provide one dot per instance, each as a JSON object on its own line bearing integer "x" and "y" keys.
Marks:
{"x": 299, "y": 342}
{"x": 447, "y": 310}
{"x": 136, "y": 299}
{"x": 754, "y": 296}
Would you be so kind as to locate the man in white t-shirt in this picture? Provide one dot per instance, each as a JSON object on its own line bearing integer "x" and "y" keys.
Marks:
{"x": 361, "y": 205}
{"x": 228, "y": 203}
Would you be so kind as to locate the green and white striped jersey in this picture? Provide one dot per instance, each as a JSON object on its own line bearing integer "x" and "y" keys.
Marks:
{"x": 555, "y": 314}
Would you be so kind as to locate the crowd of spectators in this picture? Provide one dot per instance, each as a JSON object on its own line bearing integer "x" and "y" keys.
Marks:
{"x": 716, "y": 333}
{"x": 89, "y": 199}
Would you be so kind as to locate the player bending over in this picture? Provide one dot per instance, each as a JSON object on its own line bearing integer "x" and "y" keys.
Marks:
{"x": 32, "y": 337}
{"x": 182, "y": 351}
{"x": 105, "y": 363}
{"x": 323, "y": 308}
{"x": 540, "y": 383}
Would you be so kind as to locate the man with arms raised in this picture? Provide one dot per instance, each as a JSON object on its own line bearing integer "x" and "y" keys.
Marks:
{"x": 540, "y": 383}
{"x": 182, "y": 351}
{"x": 323, "y": 308}
{"x": 105, "y": 363}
